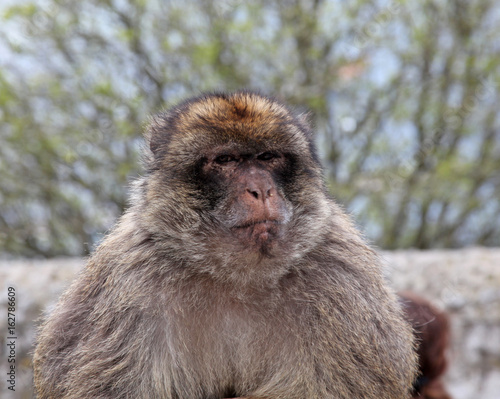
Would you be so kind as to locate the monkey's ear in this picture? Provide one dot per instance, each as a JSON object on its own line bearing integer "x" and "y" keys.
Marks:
{"x": 157, "y": 135}
{"x": 304, "y": 120}
{"x": 151, "y": 144}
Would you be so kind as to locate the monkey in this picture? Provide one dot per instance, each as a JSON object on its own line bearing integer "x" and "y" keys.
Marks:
{"x": 431, "y": 327}
{"x": 233, "y": 273}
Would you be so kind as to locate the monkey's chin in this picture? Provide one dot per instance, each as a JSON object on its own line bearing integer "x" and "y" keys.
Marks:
{"x": 260, "y": 235}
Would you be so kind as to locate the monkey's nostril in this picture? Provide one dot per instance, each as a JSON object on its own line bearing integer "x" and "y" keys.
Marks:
{"x": 254, "y": 193}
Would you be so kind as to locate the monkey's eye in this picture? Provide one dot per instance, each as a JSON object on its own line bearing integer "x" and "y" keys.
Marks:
{"x": 225, "y": 158}
{"x": 267, "y": 156}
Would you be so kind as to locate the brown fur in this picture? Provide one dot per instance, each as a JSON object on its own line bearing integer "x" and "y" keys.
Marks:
{"x": 172, "y": 305}
{"x": 432, "y": 330}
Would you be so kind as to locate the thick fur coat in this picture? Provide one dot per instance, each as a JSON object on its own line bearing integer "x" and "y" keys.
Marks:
{"x": 170, "y": 305}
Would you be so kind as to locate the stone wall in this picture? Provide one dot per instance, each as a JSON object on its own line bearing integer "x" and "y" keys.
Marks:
{"x": 466, "y": 283}
{"x": 37, "y": 286}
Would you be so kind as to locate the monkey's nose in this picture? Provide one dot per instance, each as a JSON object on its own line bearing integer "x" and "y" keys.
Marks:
{"x": 260, "y": 193}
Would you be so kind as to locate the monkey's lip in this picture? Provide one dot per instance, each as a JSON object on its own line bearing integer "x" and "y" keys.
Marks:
{"x": 260, "y": 223}
{"x": 258, "y": 232}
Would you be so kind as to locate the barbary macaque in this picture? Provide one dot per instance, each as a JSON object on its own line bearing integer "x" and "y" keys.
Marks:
{"x": 232, "y": 274}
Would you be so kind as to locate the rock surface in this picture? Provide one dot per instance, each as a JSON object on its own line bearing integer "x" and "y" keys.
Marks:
{"x": 466, "y": 283}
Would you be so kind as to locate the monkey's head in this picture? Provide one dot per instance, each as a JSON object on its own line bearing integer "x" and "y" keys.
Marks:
{"x": 239, "y": 174}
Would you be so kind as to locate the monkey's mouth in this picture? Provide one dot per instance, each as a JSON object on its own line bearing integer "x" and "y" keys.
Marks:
{"x": 264, "y": 223}
{"x": 259, "y": 232}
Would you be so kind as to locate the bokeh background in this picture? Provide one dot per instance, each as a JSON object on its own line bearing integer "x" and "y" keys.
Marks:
{"x": 403, "y": 96}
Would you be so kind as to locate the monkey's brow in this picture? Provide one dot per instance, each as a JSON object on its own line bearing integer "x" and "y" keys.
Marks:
{"x": 246, "y": 155}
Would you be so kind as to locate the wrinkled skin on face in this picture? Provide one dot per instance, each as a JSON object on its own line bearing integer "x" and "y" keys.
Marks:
{"x": 256, "y": 204}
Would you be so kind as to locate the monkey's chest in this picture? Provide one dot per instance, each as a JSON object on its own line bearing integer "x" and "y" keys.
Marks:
{"x": 232, "y": 346}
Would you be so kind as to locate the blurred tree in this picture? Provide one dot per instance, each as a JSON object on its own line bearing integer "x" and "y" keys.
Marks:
{"x": 403, "y": 95}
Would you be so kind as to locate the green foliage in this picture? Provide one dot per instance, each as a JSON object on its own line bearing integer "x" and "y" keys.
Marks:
{"x": 403, "y": 96}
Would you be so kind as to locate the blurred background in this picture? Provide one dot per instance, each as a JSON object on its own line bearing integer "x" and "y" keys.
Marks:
{"x": 403, "y": 96}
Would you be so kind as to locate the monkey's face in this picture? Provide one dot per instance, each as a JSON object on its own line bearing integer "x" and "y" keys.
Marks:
{"x": 246, "y": 190}
{"x": 237, "y": 175}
